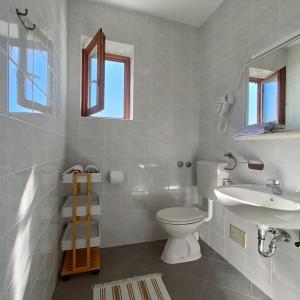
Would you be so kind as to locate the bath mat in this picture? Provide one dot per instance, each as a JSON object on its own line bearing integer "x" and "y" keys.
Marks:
{"x": 147, "y": 287}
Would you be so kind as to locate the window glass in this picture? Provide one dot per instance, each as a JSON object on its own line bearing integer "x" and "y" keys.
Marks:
{"x": 39, "y": 97}
{"x": 28, "y": 91}
{"x": 40, "y": 72}
{"x": 15, "y": 91}
{"x": 270, "y": 100}
{"x": 93, "y": 82}
{"x": 114, "y": 90}
{"x": 253, "y": 103}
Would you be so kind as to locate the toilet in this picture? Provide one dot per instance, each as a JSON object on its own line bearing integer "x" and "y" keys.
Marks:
{"x": 181, "y": 223}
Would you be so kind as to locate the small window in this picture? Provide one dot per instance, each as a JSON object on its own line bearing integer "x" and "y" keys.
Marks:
{"x": 266, "y": 101}
{"x": 109, "y": 98}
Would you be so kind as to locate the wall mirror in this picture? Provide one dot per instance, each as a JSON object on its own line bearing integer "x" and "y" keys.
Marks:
{"x": 273, "y": 86}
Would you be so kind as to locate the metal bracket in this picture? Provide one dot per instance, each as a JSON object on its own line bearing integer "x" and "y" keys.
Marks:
{"x": 24, "y": 14}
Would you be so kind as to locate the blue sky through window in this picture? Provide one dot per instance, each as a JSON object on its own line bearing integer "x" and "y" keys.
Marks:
{"x": 252, "y": 103}
{"x": 93, "y": 81}
{"x": 14, "y": 91}
{"x": 114, "y": 91}
{"x": 270, "y": 99}
{"x": 40, "y": 72}
{"x": 22, "y": 90}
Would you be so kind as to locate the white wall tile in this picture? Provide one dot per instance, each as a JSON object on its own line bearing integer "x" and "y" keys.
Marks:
{"x": 248, "y": 27}
{"x": 32, "y": 155}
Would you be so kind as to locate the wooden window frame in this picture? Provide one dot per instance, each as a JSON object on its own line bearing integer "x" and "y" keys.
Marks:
{"x": 281, "y": 76}
{"x": 98, "y": 42}
{"x": 126, "y": 61}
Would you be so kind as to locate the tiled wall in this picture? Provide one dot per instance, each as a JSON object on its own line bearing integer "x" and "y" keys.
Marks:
{"x": 166, "y": 118}
{"x": 32, "y": 147}
{"x": 236, "y": 30}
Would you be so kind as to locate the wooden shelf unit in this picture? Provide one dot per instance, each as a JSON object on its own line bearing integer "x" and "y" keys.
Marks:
{"x": 85, "y": 259}
{"x": 81, "y": 206}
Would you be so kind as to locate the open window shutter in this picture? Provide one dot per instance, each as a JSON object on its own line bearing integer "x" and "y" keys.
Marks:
{"x": 93, "y": 70}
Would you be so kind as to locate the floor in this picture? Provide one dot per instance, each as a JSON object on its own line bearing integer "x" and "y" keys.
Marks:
{"x": 209, "y": 278}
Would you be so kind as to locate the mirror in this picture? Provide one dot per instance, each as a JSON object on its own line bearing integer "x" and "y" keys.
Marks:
{"x": 273, "y": 87}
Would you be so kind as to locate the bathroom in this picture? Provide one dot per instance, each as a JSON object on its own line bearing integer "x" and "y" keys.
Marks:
{"x": 185, "y": 56}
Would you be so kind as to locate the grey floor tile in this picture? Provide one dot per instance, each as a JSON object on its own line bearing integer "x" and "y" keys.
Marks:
{"x": 186, "y": 281}
{"x": 199, "y": 268}
{"x": 226, "y": 275}
{"x": 184, "y": 287}
{"x": 215, "y": 292}
{"x": 220, "y": 258}
{"x": 206, "y": 250}
{"x": 258, "y": 294}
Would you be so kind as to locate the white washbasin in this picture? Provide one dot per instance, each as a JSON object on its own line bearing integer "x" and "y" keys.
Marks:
{"x": 257, "y": 195}
{"x": 259, "y": 205}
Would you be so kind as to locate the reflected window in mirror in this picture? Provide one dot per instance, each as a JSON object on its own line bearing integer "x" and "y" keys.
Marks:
{"x": 272, "y": 84}
{"x": 266, "y": 96}
{"x": 29, "y": 76}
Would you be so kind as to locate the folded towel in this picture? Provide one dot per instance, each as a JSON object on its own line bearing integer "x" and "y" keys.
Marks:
{"x": 75, "y": 169}
{"x": 92, "y": 169}
{"x": 255, "y": 129}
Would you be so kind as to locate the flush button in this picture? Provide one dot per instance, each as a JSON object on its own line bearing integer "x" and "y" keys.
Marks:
{"x": 188, "y": 164}
{"x": 180, "y": 163}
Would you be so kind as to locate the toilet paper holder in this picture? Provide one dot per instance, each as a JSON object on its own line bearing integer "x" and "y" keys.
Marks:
{"x": 116, "y": 177}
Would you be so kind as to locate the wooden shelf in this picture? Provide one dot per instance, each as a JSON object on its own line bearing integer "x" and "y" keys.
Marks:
{"x": 82, "y": 178}
{"x": 81, "y": 236}
{"x": 81, "y": 239}
{"x": 81, "y": 262}
{"x": 81, "y": 206}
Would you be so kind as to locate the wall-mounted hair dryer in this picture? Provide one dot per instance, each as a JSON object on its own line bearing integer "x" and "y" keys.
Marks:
{"x": 223, "y": 105}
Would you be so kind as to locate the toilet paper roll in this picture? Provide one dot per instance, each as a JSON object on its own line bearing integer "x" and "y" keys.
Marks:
{"x": 116, "y": 177}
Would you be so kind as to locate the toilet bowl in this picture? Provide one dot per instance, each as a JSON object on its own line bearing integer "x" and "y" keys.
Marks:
{"x": 181, "y": 224}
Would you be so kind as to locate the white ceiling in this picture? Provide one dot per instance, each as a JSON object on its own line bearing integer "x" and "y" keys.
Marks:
{"x": 193, "y": 12}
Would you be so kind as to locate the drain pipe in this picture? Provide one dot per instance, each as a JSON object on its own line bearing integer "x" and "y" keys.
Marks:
{"x": 279, "y": 236}
{"x": 209, "y": 211}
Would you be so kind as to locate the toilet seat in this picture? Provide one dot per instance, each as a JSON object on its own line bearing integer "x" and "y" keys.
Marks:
{"x": 179, "y": 215}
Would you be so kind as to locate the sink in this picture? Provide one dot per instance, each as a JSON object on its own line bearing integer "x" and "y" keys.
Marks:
{"x": 257, "y": 195}
{"x": 259, "y": 205}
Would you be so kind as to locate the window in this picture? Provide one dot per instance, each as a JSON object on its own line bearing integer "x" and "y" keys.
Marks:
{"x": 266, "y": 101}
{"x": 116, "y": 87}
{"x": 106, "y": 86}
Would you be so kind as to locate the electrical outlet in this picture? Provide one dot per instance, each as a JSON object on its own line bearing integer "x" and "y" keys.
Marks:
{"x": 238, "y": 235}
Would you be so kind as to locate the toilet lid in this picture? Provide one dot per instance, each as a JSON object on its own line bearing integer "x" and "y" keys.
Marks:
{"x": 180, "y": 214}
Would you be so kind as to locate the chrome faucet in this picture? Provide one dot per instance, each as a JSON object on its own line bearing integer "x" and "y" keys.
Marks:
{"x": 275, "y": 186}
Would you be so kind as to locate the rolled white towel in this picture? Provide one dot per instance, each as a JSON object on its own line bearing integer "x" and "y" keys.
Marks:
{"x": 92, "y": 169}
{"x": 75, "y": 169}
